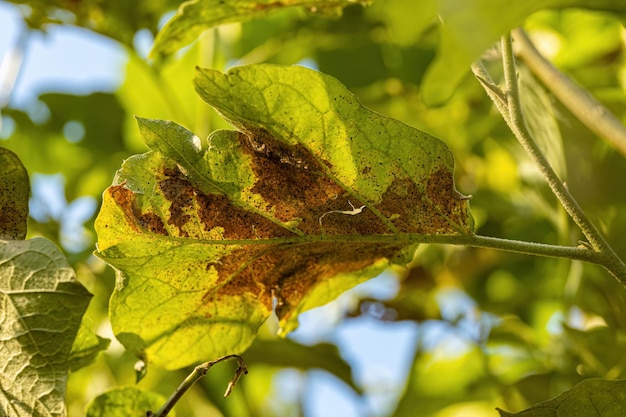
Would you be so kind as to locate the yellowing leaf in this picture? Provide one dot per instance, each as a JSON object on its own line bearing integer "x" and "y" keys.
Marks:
{"x": 195, "y": 16}
{"x": 312, "y": 195}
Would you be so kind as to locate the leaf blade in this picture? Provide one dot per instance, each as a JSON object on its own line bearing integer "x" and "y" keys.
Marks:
{"x": 195, "y": 16}
{"x": 262, "y": 218}
{"x": 43, "y": 305}
{"x": 591, "y": 397}
{"x": 125, "y": 401}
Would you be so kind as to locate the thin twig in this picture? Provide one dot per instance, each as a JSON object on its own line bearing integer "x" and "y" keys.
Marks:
{"x": 577, "y": 100}
{"x": 512, "y": 113}
{"x": 197, "y": 373}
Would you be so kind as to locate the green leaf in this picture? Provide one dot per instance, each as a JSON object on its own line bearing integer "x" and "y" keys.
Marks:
{"x": 196, "y": 16}
{"x": 469, "y": 28}
{"x": 313, "y": 195}
{"x": 42, "y": 307}
{"x": 126, "y": 402}
{"x": 86, "y": 347}
{"x": 590, "y": 398}
{"x": 289, "y": 354}
{"x": 14, "y": 193}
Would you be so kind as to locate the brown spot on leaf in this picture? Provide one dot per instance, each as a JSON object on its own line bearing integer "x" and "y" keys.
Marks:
{"x": 439, "y": 210}
{"x": 127, "y": 201}
{"x": 181, "y": 195}
{"x": 450, "y": 204}
{"x": 288, "y": 272}
{"x": 190, "y": 208}
{"x": 289, "y": 179}
{"x": 153, "y": 223}
{"x": 296, "y": 186}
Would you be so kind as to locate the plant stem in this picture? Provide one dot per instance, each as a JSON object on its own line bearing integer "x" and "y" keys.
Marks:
{"x": 197, "y": 373}
{"x": 512, "y": 114}
{"x": 577, "y": 100}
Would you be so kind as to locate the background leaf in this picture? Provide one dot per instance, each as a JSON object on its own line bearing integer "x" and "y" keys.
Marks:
{"x": 87, "y": 345}
{"x": 590, "y": 398}
{"x": 42, "y": 307}
{"x": 461, "y": 43}
{"x": 126, "y": 402}
{"x": 195, "y": 16}
{"x": 14, "y": 193}
{"x": 289, "y": 354}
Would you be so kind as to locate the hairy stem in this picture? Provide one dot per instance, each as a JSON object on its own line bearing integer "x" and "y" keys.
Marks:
{"x": 197, "y": 373}
{"x": 577, "y": 100}
{"x": 511, "y": 111}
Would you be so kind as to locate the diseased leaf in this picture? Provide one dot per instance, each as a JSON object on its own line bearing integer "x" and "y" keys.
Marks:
{"x": 126, "y": 402}
{"x": 590, "y": 398}
{"x": 313, "y": 195}
{"x": 196, "y": 16}
{"x": 14, "y": 193}
{"x": 42, "y": 307}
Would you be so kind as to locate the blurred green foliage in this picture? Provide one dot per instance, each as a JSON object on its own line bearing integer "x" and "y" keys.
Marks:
{"x": 539, "y": 326}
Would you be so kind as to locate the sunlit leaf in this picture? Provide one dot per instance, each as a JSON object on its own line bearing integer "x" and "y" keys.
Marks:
{"x": 470, "y": 28}
{"x": 313, "y": 195}
{"x": 14, "y": 193}
{"x": 590, "y": 398}
{"x": 195, "y": 16}
{"x": 126, "y": 402}
{"x": 42, "y": 307}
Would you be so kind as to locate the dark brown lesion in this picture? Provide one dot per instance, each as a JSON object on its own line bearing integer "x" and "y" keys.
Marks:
{"x": 297, "y": 273}
{"x": 451, "y": 205}
{"x": 126, "y": 200}
{"x": 296, "y": 185}
{"x": 436, "y": 209}
{"x": 152, "y": 223}
{"x": 212, "y": 211}
{"x": 289, "y": 179}
{"x": 289, "y": 272}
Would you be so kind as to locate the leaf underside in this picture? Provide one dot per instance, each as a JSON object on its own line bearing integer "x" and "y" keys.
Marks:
{"x": 592, "y": 397}
{"x": 311, "y": 195}
{"x": 42, "y": 304}
{"x": 126, "y": 402}
{"x": 195, "y": 16}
